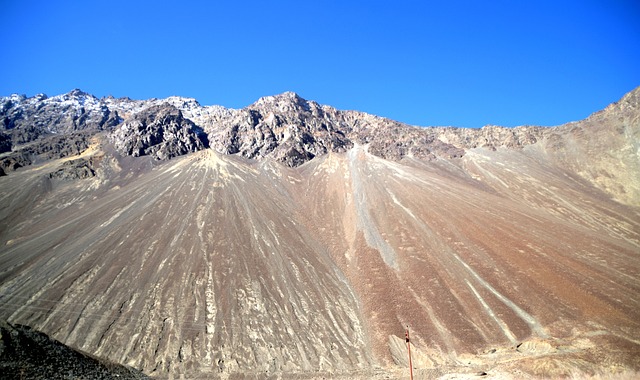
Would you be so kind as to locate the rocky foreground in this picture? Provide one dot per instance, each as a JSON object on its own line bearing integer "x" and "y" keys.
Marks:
{"x": 28, "y": 354}
{"x": 293, "y": 239}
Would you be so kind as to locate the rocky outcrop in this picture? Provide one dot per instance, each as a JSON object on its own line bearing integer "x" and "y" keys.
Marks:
{"x": 159, "y": 131}
{"x": 80, "y": 168}
{"x": 291, "y": 130}
{"x": 491, "y": 137}
{"x": 51, "y": 147}
{"x": 5, "y": 143}
{"x": 14, "y": 161}
{"x": 26, "y": 119}
{"x": 30, "y": 354}
{"x": 286, "y": 128}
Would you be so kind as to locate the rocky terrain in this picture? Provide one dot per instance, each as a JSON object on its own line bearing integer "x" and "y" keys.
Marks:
{"x": 158, "y": 131}
{"x": 28, "y": 354}
{"x": 292, "y": 239}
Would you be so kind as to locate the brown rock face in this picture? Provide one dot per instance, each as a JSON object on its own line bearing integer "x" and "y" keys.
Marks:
{"x": 309, "y": 247}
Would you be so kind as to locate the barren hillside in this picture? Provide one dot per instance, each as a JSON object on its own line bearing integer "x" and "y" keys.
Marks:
{"x": 293, "y": 239}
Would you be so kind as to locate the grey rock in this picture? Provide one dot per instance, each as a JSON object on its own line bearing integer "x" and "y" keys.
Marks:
{"x": 46, "y": 148}
{"x": 26, "y": 119}
{"x": 159, "y": 131}
{"x": 5, "y": 143}
{"x": 285, "y": 128}
{"x": 291, "y": 130}
{"x": 75, "y": 169}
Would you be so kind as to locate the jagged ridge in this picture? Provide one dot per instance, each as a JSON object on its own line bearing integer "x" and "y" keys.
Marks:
{"x": 292, "y": 130}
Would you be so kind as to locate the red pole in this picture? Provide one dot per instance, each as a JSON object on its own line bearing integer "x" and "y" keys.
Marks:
{"x": 409, "y": 349}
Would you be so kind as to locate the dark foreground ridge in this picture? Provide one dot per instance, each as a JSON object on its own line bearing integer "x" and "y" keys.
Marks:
{"x": 30, "y": 354}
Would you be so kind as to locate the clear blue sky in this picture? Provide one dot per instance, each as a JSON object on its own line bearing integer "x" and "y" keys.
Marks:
{"x": 460, "y": 63}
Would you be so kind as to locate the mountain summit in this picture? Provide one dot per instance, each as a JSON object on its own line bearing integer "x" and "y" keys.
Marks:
{"x": 292, "y": 239}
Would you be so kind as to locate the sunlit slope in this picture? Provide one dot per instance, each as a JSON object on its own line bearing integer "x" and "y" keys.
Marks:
{"x": 604, "y": 149}
{"x": 198, "y": 265}
{"x": 213, "y": 264}
{"x": 494, "y": 250}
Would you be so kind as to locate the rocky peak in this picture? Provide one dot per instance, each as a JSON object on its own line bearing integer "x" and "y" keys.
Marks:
{"x": 160, "y": 131}
{"x": 627, "y": 106}
{"x": 284, "y": 127}
{"x": 26, "y": 119}
{"x": 284, "y": 103}
{"x": 16, "y": 98}
{"x": 78, "y": 93}
{"x": 183, "y": 103}
{"x": 75, "y": 97}
{"x": 36, "y": 99}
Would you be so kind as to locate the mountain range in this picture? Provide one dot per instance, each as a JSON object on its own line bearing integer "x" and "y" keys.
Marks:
{"x": 289, "y": 238}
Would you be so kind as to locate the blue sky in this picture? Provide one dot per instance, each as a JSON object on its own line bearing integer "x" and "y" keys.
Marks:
{"x": 460, "y": 63}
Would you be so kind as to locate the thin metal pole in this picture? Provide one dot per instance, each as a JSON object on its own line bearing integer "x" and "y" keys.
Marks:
{"x": 409, "y": 349}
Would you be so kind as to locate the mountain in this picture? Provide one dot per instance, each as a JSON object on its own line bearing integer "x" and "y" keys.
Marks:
{"x": 291, "y": 239}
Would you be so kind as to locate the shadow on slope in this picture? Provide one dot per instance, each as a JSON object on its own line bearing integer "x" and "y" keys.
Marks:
{"x": 30, "y": 354}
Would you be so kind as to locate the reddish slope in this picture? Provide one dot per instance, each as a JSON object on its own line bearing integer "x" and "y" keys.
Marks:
{"x": 507, "y": 249}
